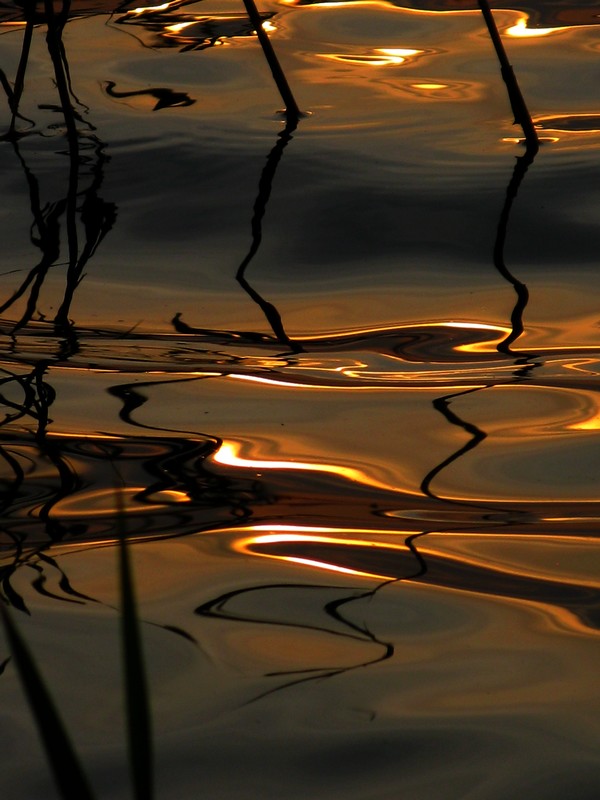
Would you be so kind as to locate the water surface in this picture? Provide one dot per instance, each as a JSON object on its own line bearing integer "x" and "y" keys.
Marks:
{"x": 343, "y": 371}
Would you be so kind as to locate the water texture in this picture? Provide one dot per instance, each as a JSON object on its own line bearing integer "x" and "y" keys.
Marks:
{"x": 342, "y": 369}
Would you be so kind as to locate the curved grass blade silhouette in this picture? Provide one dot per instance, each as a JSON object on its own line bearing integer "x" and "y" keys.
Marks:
{"x": 139, "y": 727}
{"x": 66, "y": 768}
{"x": 68, "y": 773}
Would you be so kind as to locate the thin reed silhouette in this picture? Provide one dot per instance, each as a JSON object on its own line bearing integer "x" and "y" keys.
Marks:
{"x": 292, "y": 110}
{"x": 515, "y": 96}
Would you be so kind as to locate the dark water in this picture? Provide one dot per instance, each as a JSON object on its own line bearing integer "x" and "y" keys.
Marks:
{"x": 344, "y": 370}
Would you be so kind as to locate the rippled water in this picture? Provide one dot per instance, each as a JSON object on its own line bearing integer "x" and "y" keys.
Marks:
{"x": 345, "y": 372}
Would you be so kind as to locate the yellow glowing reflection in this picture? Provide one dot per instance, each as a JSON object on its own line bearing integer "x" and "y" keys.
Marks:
{"x": 521, "y": 140}
{"x": 380, "y": 57}
{"x": 520, "y": 30}
{"x": 398, "y": 52}
{"x": 488, "y": 346}
{"x": 149, "y": 9}
{"x": 467, "y": 326}
{"x": 168, "y": 496}
{"x": 179, "y": 26}
{"x": 269, "y": 27}
{"x": 592, "y": 423}
{"x": 429, "y": 86}
{"x": 343, "y": 387}
{"x": 229, "y": 455}
{"x": 570, "y": 123}
{"x": 249, "y": 545}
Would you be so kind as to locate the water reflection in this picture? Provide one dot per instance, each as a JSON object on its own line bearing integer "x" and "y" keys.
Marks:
{"x": 171, "y": 27}
{"x": 81, "y": 206}
{"x": 523, "y": 162}
{"x": 320, "y": 515}
{"x": 165, "y": 97}
{"x": 540, "y": 14}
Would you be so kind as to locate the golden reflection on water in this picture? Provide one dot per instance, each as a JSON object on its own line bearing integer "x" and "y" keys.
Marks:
{"x": 521, "y": 30}
{"x": 303, "y": 545}
{"x": 466, "y": 607}
{"x": 380, "y": 57}
{"x": 230, "y": 454}
{"x": 101, "y": 502}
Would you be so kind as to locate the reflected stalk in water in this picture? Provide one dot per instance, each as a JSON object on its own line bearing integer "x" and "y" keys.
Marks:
{"x": 97, "y": 216}
{"x": 260, "y": 206}
{"x": 516, "y": 318}
{"x": 14, "y": 97}
{"x": 265, "y": 186}
{"x": 522, "y": 118}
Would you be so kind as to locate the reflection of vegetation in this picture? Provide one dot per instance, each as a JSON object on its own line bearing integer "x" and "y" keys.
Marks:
{"x": 165, "y": 98}
{"x": 197, "y": 32}
{"x": 260, "y": 206}
{"x": 69, "y": 776}
{"x": 96, "y": 215}
{"x": 181, "y": 491}
{"x": 335, "y": 624}
{"x": 531, "y": 141}
{"x": 174, "y": 28}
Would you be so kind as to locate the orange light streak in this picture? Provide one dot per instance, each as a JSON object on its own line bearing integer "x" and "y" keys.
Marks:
{"x": 285, "y": 384}
{"x": 148, "y": 9}
{"x": 245, "y": 546}
{"x": 229, "y": 455}
{"x": 380, "y": 57}
{"x": 521, "y": 31}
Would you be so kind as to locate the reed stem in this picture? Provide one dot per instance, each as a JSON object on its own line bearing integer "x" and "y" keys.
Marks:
{"x": 517, "y": 101}
{"x": 291, "y": 107}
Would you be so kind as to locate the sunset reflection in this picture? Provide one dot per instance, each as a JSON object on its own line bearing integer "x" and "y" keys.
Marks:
{"x": 332, "y": 373}
{"x": 381, "y": 57}
{"x": 521, "y": 30}
{"x": 333, "y": 552}
{"x": 229, "y": 454}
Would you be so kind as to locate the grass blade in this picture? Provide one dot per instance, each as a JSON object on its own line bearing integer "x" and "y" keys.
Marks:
{"x": 139, "y": 731}
{"x": 68, "y": 774}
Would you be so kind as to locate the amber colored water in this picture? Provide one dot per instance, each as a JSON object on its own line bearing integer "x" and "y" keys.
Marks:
{"x": 344, "y": 375}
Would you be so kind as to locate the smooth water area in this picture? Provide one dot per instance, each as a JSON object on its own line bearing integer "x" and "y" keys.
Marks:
{"x": 342, "y": 373}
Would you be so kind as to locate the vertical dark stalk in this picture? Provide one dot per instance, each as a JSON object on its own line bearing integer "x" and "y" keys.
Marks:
{"x": 532, "y": 144}
{"x": 291, "y": 107}
{"x": 517, "y": 101}
{"x": 15, "y": 98}
{"x": 136, "y": 692}
{"x": 56, "y": 23}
